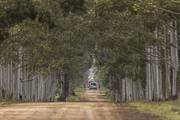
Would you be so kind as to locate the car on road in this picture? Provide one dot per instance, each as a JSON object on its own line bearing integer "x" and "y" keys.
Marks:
{"x": 92, "y": 85}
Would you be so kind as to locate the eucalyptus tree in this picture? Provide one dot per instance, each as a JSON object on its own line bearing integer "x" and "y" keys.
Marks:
{"x": 137, "y": 45}
{"x": 40, "y": 51}
{"x": 46, "y": 46}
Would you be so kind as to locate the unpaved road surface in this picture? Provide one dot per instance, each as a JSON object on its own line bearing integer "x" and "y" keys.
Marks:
{"x": 92, "y": 107}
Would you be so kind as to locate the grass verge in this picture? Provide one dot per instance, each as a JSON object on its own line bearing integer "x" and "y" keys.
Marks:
{"x": 106, "y": 94}
{"x": 168, "y": 110}
{"x": 76, "y": 98}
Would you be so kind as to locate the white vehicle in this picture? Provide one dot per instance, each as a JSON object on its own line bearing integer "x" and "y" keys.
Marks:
{"x": 92, "y": 85}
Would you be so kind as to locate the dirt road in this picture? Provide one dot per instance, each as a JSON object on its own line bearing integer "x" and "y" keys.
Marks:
{"x": 92, "y": 107}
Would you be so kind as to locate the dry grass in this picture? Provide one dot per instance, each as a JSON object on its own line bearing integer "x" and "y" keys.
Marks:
{"x": 168, "y": 110}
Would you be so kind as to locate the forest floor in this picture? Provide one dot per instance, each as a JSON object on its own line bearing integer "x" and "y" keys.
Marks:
{"x": 92, "y": 106}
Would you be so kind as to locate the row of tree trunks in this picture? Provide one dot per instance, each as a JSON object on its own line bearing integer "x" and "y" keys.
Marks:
{"x": 64, "y": 87}
{"x": 161, "y": 70}
{"x": 162, "y": 65}
{"x": 16, "y": 84}
{"x": 153, "y": 75}
{"x": 131, "y": 90}
{"x": 124, "y": 90}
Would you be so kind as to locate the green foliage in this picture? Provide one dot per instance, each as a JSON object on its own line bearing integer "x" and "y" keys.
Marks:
{"x": 79, "y": 90}
{"x": 72, "y": 6}
{"x": 67, "y": 34}
{"x": 123, "y": 29}
{"x": 48, "y": 40}
{"x": 14, "y": 11}
{"x": 106, "y": 94}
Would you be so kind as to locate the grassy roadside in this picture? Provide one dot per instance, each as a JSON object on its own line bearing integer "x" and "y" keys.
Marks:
{"x": 168, "y": 110}
{"x": 78, "y": 92}
{"x": 4, "y": 103}
{"x": 75, "y": 98}
{"x": 106, "y": 94}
